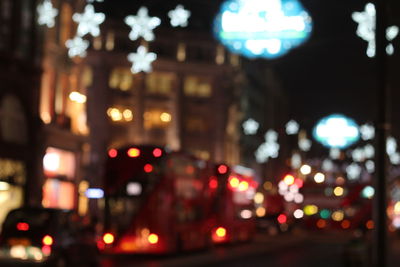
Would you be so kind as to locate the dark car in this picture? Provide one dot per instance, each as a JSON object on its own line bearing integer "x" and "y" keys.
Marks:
{"x": 46, "y": 237}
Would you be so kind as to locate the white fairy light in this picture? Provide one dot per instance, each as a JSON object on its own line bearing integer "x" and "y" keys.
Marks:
{"x": 367, "y": 132}
{"x": 358, "y": 155}
{"x": 334, "y": 153}
{"x": 353, "y": 171}
{"x": 269, "y": 149}
{"x": 77, "y": 47}
{"x": 304, "y": 144}
{"x": 179, "y": 16}
{"x": 141, "y": 60}
{"x": 295, "y": 161}
{"x": 370, "y": 166}
{"x": 327, "y": 165}
{"x": 271, "y": 136}
{"x": 395, "y": 158}
{"x": 88, "y": 21}
{"x": 391, "y": 145}
{"x": 250, "y": 127}
{"x": 292, "y": 127}
{"x": 142, "y": 25}
{"x": 46, "y": 13}
{"x": 369, "y": 151}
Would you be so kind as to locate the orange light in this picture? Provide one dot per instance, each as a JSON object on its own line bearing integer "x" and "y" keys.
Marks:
{"x": 370, "y": 225}
{"x": 220, "y": 232}
{"x": 148, "y": 168}
{"x": 21, "y": 226}
{"x": 157, "y": 152}
{"x": 222, "y": 169}
{"x": 47, "y": 240}
{"x": 234, "y": 182}
{"x": 282, "y": 218}
{"x": 288, "y": 179}
{"x": 321, "y": 223}
{"x": 108, "y": 238}
{"x": 112, "y": 153}
{"x": 153, "y": 239}
{"x": 243, "y": 186}
{"x": 345, "y": 224}
{"x": 133, "y": 152}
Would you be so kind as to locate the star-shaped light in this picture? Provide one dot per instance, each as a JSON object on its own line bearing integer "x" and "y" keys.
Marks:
{"x": 47, "y": 14}
{"x": 370, "y": 166}
{"x": 271, "y": 136}
{"x": 142, "y": 25}
{"x": 391, "y": 145}
{"x": 141, "y": 60}
{"x": 327, "y": 165}
{"x": 267, "y": 150}
{"x": 250, "y": 126}
{"x": 334, "y": 153}
{"x": 304, "y": 144}
{"x": 367, "y": 132}
{"x": 77, "y": 47}
{"x": 292, "y": 127}
{"x": 369, "y": 151}
{"x": 179, "y": 16}
{"x": 358, "y": 155}
{"x": 353, "y": 171}
{"x": 88, "y": 21}
{"x": 366, "y": 29}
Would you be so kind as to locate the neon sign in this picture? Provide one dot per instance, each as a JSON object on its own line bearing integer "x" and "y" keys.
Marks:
{"x": 266, "y": 29}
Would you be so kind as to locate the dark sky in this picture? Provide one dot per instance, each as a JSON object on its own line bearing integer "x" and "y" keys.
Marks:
{"x": 329, "y": 74}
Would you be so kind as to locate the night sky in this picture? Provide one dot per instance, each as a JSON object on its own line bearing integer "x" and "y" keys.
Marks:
{"x": 329, "y": 74}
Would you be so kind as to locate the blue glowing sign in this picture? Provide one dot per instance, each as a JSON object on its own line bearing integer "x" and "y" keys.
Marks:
{"x": 336, "y": 131}
{"x": 267, "y": 29}
{"x": 94, "y": 193}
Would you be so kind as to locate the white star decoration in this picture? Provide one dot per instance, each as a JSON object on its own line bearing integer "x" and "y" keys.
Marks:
{"x": 292, "y": 127}
{"x": 271, "y": 136}
{"x": 353, "y": 171}
{"x": 367, "y": 132}
{"x": 142, "y": 25}
{"x": 77, "y": 47}
{"x": 89, "y": 21}
{"x": 47, "y": 13}
{"x": 250, "y": 127}
{"x": 179, "y": 16}
{"x": 141, "y": 60}
{"x": 366, "y": 29}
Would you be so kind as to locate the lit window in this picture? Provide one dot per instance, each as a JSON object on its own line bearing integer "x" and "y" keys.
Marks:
{"x": 120, "y": 114}
{"x": 195, "y": 124}
{"x": 155, "y": 118}
{"x": 121, "y": 79}
{"x": 197, "y": 86}
{"x": 160, "y": 82}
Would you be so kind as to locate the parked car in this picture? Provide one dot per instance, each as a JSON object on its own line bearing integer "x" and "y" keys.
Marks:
{"x": 46, "y": 237}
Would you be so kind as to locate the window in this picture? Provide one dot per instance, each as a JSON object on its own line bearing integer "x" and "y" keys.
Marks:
{"x": 121, "y": 79}
{"x": 156, "y": 118}
{"x": 160, "y": 83}
{"x": 58, "y": 194}
{"x": 13, "y": 125}
{"x": 59, "y": 163}
{"x": 195, "y": 86}
{"x": 196, "y": 124}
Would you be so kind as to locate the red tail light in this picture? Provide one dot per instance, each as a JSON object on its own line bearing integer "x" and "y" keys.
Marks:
{"x": 157, "y": 152}
{"x": 47, "y": 240}
{"x": 108, "y": 238}
{"x": 222, "y": 169}
{"x": 148, "y": 168}
{"x": 213, "y": 183}
{"x": 282, "y": 218}
{"x": 112, "y": 153}
{"x": 21, "y": 226}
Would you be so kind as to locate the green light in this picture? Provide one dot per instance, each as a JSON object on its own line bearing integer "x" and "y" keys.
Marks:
{"x": 325, "y": 214}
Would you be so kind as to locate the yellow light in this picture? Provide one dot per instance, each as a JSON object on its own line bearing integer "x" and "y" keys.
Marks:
{"x": 319, "y": 177}
{"x": 108, "y": 238}
{"x": 338, "y": 216}
{"x": 153, "y": 238}
{"x": 77, "y": 97}
{"x": 305, "y": 169}
{"x": 310, "y": 210}
{"x": 260, "y": 212}
{"x": 128, "y": 115}
{"x": 115, "y": 114}
{"x": 338, "y": 191}
{"x": 47, "y": 240}
{"x": 259, "y": 198}
{"x": 234, "y": 182}
{"x": 243, "y": 186}
{"x": 4, "y": 186}
{"x": 268, "y": 186}
{"x": 220, "y": 232}
{"x": 289, "y": 179}
{"x": 165, "y": 117}
{"x": 45, "y": 116}
{"x": 397, "y": 208}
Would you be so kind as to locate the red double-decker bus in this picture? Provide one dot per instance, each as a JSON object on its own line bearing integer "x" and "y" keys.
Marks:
{"x": 156, "y": 201}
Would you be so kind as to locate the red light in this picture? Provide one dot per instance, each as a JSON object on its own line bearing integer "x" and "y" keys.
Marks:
{"x": 148, "y": 168}
{"x": 47, "y": 240}
{"x": 133, "y": 152}
{"x": 21, "y": 226}
{"x": 112, "y": 153}
{"x": 222, "y": 169}
{"x": 299, "y": 182}
{"x": 213, "y": 183}
{"x": 157, "y": 152}
{"x": 108, "y": 238}
{"x": 282, "y": 218}
{"x": 46, "y": 250}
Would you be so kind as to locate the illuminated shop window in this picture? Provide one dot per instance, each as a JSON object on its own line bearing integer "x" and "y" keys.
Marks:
{"x": 160, "y": 82}
{"x": 11, "y": 197}
{"x": 121, "y": 79}
{"x": 58, "y": 162}
{"x": 76, "y": 110}
{"x": 197, "y": 86}
{"x": 156, "y": 118}
{"x": 13, "y": 125}
{"x": 58, "y": 194}
{"x": 12, "y": 171}
{"x": 120, "y": 114}
{"x": 196, "y": 124}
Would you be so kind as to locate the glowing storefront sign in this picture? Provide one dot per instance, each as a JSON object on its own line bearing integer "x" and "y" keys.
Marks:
{"x": 267, "y": 29}
{"x": 336, "y": 131}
